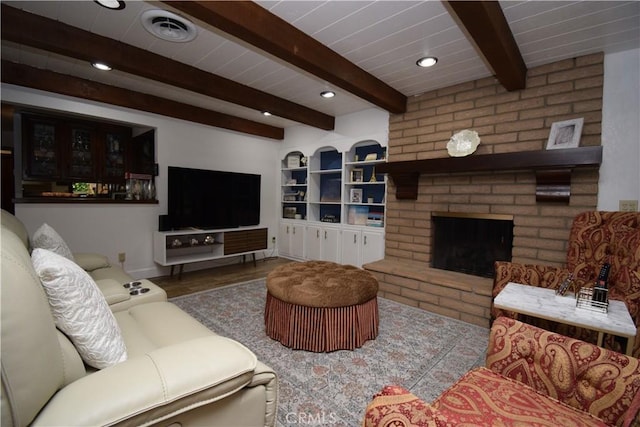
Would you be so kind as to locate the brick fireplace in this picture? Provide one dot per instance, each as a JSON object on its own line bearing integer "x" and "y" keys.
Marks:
{"x": 507, "y": 122}
{"x": 470, "y": 243}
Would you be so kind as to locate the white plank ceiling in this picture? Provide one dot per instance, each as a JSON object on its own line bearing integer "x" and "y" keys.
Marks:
{"x": 385, "y": 38}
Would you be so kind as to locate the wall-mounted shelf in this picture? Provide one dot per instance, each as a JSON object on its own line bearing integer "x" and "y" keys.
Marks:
{"x": 553, "y": 169}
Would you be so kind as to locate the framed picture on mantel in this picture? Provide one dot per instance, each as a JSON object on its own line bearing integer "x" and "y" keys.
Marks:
{"x": 565, "y": 134}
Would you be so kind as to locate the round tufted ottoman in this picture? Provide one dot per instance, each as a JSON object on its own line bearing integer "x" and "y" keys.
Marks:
{"x": 321, "y": 306}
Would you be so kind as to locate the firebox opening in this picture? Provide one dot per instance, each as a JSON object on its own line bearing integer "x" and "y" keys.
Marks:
{"x": 470, "y": 243}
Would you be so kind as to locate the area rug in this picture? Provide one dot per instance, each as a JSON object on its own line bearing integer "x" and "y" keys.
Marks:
{"x": 421, "y": 351}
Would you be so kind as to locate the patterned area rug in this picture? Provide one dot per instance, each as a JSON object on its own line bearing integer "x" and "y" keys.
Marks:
{"x": 421, "y": 351}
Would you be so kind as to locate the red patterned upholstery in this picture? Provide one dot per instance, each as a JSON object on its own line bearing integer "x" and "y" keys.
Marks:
{"x": 395, "y": 406}
{"x": 532, "y": 377}
{"x": 595, "y": 238}
{"x": 589, "y": 378}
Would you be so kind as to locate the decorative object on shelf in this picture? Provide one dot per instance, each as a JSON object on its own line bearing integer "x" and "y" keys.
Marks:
{"x": 356, "y": 175}
{"x": 194, "y": 241}
{"x": 289, "y": 212}
{"x": 463, "y": 143}
{"x": 369, "y": 199}
{"x": 293, "y": 161}
{"x": 176, "y": 243}
{"x": 292, "y": 181}
{"x": 370, "y": 157}
{"x": 303, "y": 161}
{"x": 291, "y": 196}
{"x": 373, "y": 175}
{"x": 358, "y": 215}
{"x": 209, "y": 240}
{"x": 329, "y": 218}
{"x": 356, "y": 195}
{"x": 565, "y": 134}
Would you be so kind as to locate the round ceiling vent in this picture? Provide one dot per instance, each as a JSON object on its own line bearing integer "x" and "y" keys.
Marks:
{"x": 168, "y": 26}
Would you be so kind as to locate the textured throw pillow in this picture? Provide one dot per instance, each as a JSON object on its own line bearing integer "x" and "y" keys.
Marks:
{"x": 80, "y": 310}
{"x": 46, "y": 237}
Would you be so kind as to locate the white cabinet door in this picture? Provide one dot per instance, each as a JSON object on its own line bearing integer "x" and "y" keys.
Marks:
{"x": 297, "y": 241}
{"x": 284, "y": 240}
{"x": 351, "y": 247}
{"x": 372, "y": 246}
{"x": 330, "y": 244}
{"x": 314, "y": 242}
{"x": 291, "y": 243}
{"x": 361, "y": 247}
{"x": 322, "y": 243}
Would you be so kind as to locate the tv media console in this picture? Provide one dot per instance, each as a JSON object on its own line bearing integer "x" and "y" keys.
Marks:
{"x": 171, "y": 248}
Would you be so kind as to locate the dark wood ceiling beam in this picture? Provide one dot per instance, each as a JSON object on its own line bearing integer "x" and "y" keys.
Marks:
{"x": 50, "y": 35}
{"x": 487, "y": 28}
{"x": 257, "y": 26}
{"x": 23, "y": 75}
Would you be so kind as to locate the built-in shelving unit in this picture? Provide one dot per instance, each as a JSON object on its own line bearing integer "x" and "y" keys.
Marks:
{"x": 333, "y": 203}
{"x": 325, "y": 178}
{"x": 294, "y": 186}
{"x": 365, "y": 187}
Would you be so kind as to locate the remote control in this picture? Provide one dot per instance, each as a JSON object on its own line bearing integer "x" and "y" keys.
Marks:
{"x": 600, "y": 287}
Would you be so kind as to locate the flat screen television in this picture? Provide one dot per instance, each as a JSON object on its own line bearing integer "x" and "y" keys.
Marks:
{"x": 209, "y": 199}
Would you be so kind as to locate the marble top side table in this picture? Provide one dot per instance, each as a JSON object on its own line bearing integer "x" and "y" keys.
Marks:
{"x": 545, "y": 304}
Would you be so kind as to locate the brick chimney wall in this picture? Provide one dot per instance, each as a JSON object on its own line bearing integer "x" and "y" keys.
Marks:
{"x": 506, "y": 122}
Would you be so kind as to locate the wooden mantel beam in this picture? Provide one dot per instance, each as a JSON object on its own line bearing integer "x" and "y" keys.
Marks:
{"x": 257, "y": 26}
{"x": 552, "y": 167}
{"x": 23, "y": 75}
{"x": 486, "y": 27}
{"x": 53, "y": 36}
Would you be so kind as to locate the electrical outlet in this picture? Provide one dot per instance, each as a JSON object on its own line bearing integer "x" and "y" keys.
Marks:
{"x": 628, "y": 205}
{"x": 122, "y": 256}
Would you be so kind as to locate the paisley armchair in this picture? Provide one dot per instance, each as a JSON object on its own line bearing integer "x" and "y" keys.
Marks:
{"x": 531, "y": 377}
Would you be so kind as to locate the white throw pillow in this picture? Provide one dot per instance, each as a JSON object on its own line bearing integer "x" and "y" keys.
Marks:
{"x": 46, "y": 237}
{"x": 80, "y": 310}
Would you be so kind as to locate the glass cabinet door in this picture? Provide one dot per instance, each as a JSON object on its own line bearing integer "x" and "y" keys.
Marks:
{"x": 42, "y": 156}
{"x": 81, "y": 163}
{"x": 114, "y": 157}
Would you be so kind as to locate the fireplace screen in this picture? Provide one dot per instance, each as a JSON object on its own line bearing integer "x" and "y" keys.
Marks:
{"x": 471, "y": 244}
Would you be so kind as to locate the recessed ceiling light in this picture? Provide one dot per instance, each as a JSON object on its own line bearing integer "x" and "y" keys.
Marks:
{"x": 101, "y": 66}
{"x": 427, "y": 61}
{"x": 327, "y": 94}
{"x": 266, "y": 113}
{"x": 111, "y": 4}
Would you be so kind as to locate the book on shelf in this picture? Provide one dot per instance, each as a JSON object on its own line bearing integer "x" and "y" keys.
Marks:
{"x": 375, "y": 219}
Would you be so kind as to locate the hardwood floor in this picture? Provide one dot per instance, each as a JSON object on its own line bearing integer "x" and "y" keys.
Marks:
{"x": 202, "y": 280}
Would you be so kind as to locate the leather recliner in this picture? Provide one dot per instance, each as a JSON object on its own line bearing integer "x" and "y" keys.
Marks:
{"x": 178, "y": 372}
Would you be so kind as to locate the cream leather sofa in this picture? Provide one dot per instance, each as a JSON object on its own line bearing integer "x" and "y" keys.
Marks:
{"x": 109, "y": 278}
{"x": 177, "y": 373}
